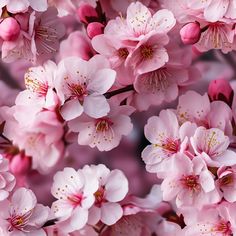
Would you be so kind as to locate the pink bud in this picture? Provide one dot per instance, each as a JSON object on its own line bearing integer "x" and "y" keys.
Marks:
{"x": 190, "y": 33}
{"x": 9, "y": 29}
{"x": 86, "y": 11}
{"x": 20, "y": 164}
{"x": 220, "y": 89}
{"x": 94, "y": 28}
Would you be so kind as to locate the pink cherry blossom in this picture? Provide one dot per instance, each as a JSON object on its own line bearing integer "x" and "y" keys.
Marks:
{"x": 190, "y": 183}
{"x": 140, "y": 22}
{"x": 218, "y": 220}
{"x": 213, "y": 144}
{"x": 43, "y": 146}
{"x": 226, "y": 182}
{"x": 106, "y": 132}
{"x": 70, "y": 6}
{"x": 113, "y": 187}
{"x": 149, "y": 54}
{"x": 38, "y": 39}
{"x": 167, "y": 139}
{"x": 81, "y": 84}
{"x": 200, "y": 111}
{"x": 7, "y": 180}
{"x": 15, "y": 6}
{"x": 22, "y": 215}
{"x": 81, "y": 46}
{"x": 75, "y": 193}
{"x": 215, "y": 10}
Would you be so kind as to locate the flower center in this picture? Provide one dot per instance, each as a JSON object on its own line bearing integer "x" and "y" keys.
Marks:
{"x": 170, "y": 146}
{"x": 227, "y": 180}
{"x": 78, "y": 91}
{"x": 103, "y": 125}
{"x": 99, "y": 196}
{"x": 19, "y": 221}
{"x": 157, "y": 81}
{"x": 75, "y": 199}
{"x": 224, "y": 228}
{"x": 146, "y": 52}
{"x": 36, "y": 86}
{"x": 123, "y": 53}
{"x": 190, "y": 182}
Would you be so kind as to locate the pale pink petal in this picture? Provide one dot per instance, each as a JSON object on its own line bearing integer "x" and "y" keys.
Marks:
{"x": 102, "y": 81}
{"x": 116, "y": 187}
{"x": 17, "y": 6}
{"x": 71, "y": 109}
{"x": 40, "y": 5}
{"x": 111, "y": 213}
{"x": 96, "y": 101}
{"x": 138, "y": 16}
{"x": 163, "y": 21}
{"x": 216, "y": 10}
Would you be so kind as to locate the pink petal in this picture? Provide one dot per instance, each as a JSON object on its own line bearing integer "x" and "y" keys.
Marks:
{"x": 71, "y": 109}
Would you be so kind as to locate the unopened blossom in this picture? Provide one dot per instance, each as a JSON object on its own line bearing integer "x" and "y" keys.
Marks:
{"x": 81, "y": 84}
{"x": 189, "y": 183}
{"x": 9, "y": 29}
{"x": 190, "y": 33}
{"x": 220, "y": 89}
{"x": 74, "y": 191}
{"x": 167, "y": 139}
{"x": 22, "y": 215}
{"x": 213, "y": 145}
{"x": 106, "y": 132}
{"x": 113, "y": 187}
{"x": 7, "y": 180}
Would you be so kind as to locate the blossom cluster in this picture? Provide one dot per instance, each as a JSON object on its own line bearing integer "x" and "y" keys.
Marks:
{"x": 106, "y": 128}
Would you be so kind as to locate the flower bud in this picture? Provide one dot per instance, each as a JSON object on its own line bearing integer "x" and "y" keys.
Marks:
{"x": 190, "y": 33}
{"x": 220, "y": 89}
{"x": 94, "y": 28}
{"x": 9, "y": 29}
{"x": 20, "y": 164}
{"x": 85, "y": 12}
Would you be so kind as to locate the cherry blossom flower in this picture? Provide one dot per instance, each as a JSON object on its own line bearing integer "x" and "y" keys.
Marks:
{"x": 199, "y": 110}
{"x": 227, "y": 182}
{"x": 215, "y": 10}
{"x": 149, "y": 54}
{"x": 38, "y": 39}
{"x": 70, "y": 6}
{"x": 140, "y": 22}
{"x": 81, "y": 84}
{"x": 41, "y": 139}
{"x": 167, "y": 140}
{"x": 106, "y": 132}
{"x": 213, "y": 144}
{"x": 14, "y": 6}
{"x": 113, "y": 187}
{"x": 75, "y": 193}
{"x": 7, "y": 180}
{"x": 190, "y": 183}
{"x": 219, "y": 220}
{"x": 22, "y": 215}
